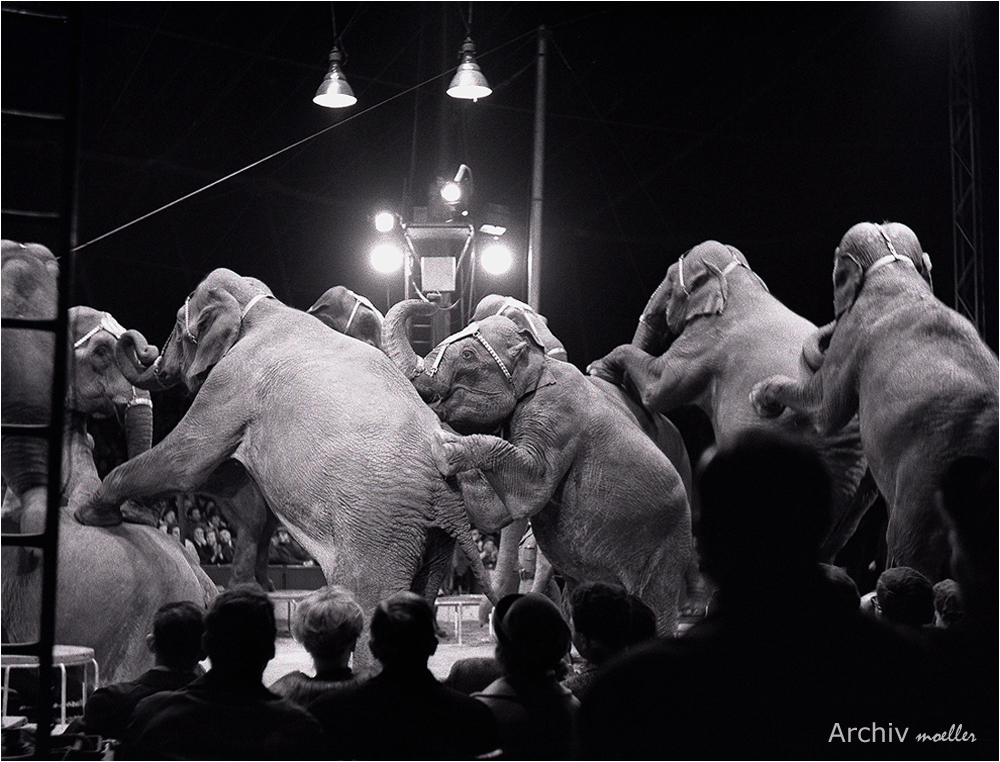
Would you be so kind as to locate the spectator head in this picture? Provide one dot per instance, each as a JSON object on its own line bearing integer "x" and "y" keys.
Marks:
{"x": 844, "y": 590}
{"x": 765, "y": 504}
{"x": 607, "y": 619}
{"x": 532, "y": 636}
{"x": 170, "y": 516}
{"x": 176, "y": 639}
{"x": 947, "y": 603}
{"x": 240, "y": 632}
{"x": 175, "y": 530}
{"x": 328, "y": 623}
{"x": 403, "y": 631}
{"x": 225, "y": 536}
{"x": 198, "y": 535}
{"x": 905, "y": 596}
{"x": 211, "y": 538}
{"x": 195, "y": 514}
{"x": 489, "y": 544}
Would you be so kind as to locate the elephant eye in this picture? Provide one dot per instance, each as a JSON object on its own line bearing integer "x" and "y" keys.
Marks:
{"x": 468, "y": 354}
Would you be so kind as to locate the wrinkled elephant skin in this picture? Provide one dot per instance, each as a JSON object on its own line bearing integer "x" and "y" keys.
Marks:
{"x": 339, "y": 444}
{"x": 710, "y": 331}
{"x": 917, "y": 375}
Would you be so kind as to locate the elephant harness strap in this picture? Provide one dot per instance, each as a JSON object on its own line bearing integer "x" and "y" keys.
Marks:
{"x": 470, "y": 331}
{"x": 358, "y": 301}
{"x": 108, "y": 324}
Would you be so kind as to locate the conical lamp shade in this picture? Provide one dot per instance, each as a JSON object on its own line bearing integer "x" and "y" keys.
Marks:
{"x": 334, "y": 92}
{"x": 469, "y": 82}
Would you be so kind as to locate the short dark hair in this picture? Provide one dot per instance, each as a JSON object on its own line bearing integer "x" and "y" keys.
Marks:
{"x": 948, "y": 601}
{"x": 177, "y": 633}
{"x": 240, "y": 629}
{"x": 403, "y": 630}
{"x": 905, "y": 596}
{"x": 843, "y": 588}
{"x": 532, "y": 635}
{"x": 603, "y": 612}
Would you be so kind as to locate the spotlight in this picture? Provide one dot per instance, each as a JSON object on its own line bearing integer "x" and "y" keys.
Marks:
{"x": 496, "y": 258}
{"x": 386, "y": 257}
{"x": 385, "y": 221}
{"x": 451, "y": 192}
{"x": 334, "y": 92}
{"x": 468, "y": 82}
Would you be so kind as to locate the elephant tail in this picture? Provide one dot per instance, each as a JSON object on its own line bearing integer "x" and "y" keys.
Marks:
{"x": 463, "y": 536}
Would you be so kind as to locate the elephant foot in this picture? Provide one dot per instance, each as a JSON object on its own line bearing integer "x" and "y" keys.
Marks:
{"x": 93, "y": 516}
{"x": 133, "y": 513}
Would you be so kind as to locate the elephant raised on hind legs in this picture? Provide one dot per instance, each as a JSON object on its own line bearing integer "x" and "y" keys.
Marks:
{"x": 605, "y": 503}
{"x": 709, "y": 332}
{"x": 912, "y": 371}
{"x": 337, "y": 441}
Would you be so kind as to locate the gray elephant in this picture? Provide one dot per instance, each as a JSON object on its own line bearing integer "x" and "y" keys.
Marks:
{"x": 236, "y": 494}
{"x": 337, "y": 441}
{"x": 109, "y": 584}
{"x": 710, "y": 331}
{"x": 658, "y": 427}
{"x": 914, "y": 372}
{"x": 349, "y": 313}
{"x": 604, "y": 502}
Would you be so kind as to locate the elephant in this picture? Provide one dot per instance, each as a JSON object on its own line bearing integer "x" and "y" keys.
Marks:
{"x": 109, "y": 585}
{"x": 709, "y": 332}
{"x": 658, "y": 427}
{"x": 349, "y": 313}
{"x": 604, "y": 501}
{"x": 337, "y": 441}
{"x": 913, "y": 372}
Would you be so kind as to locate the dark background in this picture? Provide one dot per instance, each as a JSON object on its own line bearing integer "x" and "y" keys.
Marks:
{"x": 771, "y": 127}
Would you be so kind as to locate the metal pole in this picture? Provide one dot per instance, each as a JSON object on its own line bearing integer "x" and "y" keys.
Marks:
{"x": 535, "y": 227}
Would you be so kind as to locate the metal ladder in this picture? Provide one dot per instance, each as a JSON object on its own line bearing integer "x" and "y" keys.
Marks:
{"x": 39, "y": 111}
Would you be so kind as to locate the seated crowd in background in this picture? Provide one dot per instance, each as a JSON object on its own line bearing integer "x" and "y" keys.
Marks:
{"x": 198, "y": 524}
{"x": 761, "y": 676}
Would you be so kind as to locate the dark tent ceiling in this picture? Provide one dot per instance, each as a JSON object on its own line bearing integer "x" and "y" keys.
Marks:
{"x": 772, "y": 127}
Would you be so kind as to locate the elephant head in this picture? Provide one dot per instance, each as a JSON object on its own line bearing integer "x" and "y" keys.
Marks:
{"x": 867, "y": 247}
{"x": 474, "y": 378}
{"x": 695, "y": 285}
{"x": 525, "y": 318}
{"x": 347, "y": 312}
{"x": 208, "y": 325}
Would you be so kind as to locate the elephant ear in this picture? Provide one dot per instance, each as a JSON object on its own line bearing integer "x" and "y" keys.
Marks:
{"x": 706, "y": 293}
{"x": 217, "y": 328}
{"x": 528, "y": 358}
{"x": 847, "y": 277}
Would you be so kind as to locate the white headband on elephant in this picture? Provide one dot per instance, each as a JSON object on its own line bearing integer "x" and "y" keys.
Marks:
{"x": 108, "y": 324}
{"x": 358, "y": 301}
{"x": 470, "y": 331}
{"x": 725, "y": 271}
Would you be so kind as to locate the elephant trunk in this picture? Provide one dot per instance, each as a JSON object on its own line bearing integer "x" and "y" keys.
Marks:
{"x": 139, "y": 424}
{"x": 25, "y": 462}
{"x": 136, "y": 359}
{"x": 396, "y": 343}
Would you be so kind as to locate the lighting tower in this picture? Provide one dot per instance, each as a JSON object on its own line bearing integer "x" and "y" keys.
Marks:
{"x": 969, "y": 265}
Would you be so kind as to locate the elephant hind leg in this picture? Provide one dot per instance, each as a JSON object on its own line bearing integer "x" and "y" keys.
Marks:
{"x": 916, "y": 536}
{"x": 438, "y": 549}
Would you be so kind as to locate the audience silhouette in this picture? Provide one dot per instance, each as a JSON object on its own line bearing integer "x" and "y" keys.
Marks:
{"x": 328, "y": 623}
{"x": 534, "y": 711}
{"x": 176, "y": 646}
{"x": 780, "y": 668}
{"x": 404, "y": 712}
{"x": 904, "y": 597}
{"x": 227, "y": 713}
{"x": 607, "y": 620}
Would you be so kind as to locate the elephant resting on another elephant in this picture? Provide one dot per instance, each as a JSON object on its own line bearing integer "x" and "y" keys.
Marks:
{"x": 658, "y": 427}
{"x": 109, "y": 584}
{"x": 339, "y": 444}
{"x": 604, "y": 501}
{"x": 710, "y": 331}
{"x": 921, "y": 381}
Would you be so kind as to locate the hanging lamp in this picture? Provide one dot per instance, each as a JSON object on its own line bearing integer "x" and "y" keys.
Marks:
{"x": 469, "y": 82}
{"x": 334, "y": 91}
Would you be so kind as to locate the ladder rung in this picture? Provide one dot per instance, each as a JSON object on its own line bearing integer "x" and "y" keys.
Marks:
{"x": 26, "y": 540}
{"x": 27, "y": 429}
{"x": 31, "y": 215}
{"x": 31, "y": 324}
{"x": 33, "y": 115}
